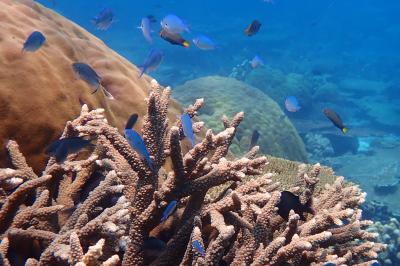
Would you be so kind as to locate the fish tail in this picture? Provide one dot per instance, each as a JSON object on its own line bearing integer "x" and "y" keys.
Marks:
{"x": 142, "y": 70}
{"x": 186, "y": 44}
{"x": 344, "y": 130}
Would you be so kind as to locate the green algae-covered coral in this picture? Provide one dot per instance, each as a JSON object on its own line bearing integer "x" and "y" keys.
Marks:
{"x": 228, "y": 96}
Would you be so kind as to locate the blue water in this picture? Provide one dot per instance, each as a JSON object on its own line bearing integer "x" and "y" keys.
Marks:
{"x": 350, "y": 44}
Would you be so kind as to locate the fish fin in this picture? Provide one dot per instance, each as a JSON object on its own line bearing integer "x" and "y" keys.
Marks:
{"x": 142, "y": 70}
{"x": 186, "y": 44}
{"x": 344, "y": 130}
{"x": 108, "y": 94}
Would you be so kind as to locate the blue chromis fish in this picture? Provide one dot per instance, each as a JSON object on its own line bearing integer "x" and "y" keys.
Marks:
{"x": 288, "y": 201}
{"x": 204, "y": 43}
{"x": 61, "y": 148}
{"x": 171, "y": 207}
{"x": 86, "y": 73}
{"x": 253, "y": 28}
{"x": 256, "y": 61}
{"x": 145, "y": 26}
{"x": 292, "y": 104}
{"x": 137, "y": 143}
{"x": 104, "y": 19}
{"x": 174, "y": 38}
{"x": 335, "y": 119}
{"x": 131, "y": 121}
{"x": 34, "y": 41}
{"x": 188, "y": 128}
{"x": 152, "y": 61}
{"x": 174, "y": 24}
{"x": 199, "y": 247}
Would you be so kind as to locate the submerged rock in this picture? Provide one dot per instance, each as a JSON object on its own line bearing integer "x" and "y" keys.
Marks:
{"x": 228, "y": 96}
{"x": 39, "y": 92}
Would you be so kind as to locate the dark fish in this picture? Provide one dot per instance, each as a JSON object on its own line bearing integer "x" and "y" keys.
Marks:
{"x": 199, "y": 247}
{"x": 168, "y": 210}
{"x": 173, "y": 38}
{"x": 289, "y": 201}
{"x": 137, "y": 143}
{"x": 335, "y": 119}
{"x": 188, "y": 128}
{"x": 34, "y": 41}
{"x": 131, "y": 121}
{"x": 87, "y": 74}
{"x": 61, "y": 148}
{"x": 253, "y": 28}
{"x": 104, "y": 19}
{"x": 254, "y": 138}
{"x": 330, "y": 264}
{"x": 152, "y": 61}
{"x": 152, "y": 247}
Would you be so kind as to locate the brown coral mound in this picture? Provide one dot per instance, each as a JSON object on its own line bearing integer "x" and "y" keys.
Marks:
{"x": 39, "y": 91}
{"x": 53, "y": 220}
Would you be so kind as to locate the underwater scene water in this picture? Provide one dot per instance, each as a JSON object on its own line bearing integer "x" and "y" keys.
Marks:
{"x": 318, "y": 82}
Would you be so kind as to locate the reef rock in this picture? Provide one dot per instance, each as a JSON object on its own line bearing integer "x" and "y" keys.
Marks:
{"x": 39, "y": 92}
{"x": 278, "y": 136}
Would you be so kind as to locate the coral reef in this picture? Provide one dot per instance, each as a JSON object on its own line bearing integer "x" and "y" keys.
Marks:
{"x": 39, "y": 92}
{"x": 278, "y": 137}
{"x": 102, "y": 209}
{"x": 389, "y": 233}
{"x": 318, "y": 146}
{"x": 279, "y": 85}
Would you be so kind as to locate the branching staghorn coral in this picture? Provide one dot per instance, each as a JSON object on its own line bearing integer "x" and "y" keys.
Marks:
{"x": 103, "y": 209}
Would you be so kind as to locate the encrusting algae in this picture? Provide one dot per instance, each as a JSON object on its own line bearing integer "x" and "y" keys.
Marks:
{"x": 106, "y": 209}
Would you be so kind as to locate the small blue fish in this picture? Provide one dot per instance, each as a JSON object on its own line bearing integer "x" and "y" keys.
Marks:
{"x": 145, "y": 26}
{"x": 131, "y": 121}
{"x": 104, "y": 19}
{"x": 187, "y": 128}
{"x": 174, "y": 24}
{"x": 152, "y": 61}
{"x": 137, "y": 143}
{"x": 199, "y": 247}
{"x": 330, "y": 264}
{"x": 171, "y": 207}
{"x": 34, "y": 41}
{"x": 256, "y": 61}
{"x": 204, "y": 43}
{"x": 61, "y": 148}
{"x": 87, "y": 74}
{"x": 292, "y": 104}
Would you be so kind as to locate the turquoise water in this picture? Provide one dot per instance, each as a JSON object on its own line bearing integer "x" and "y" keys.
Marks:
{"x": 333, "y": 53}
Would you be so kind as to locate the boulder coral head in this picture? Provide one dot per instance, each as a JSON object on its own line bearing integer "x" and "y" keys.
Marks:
{"x": 106, "y": 209}
{"x": 39, "y": 90}
{"x": 277, "y": 135}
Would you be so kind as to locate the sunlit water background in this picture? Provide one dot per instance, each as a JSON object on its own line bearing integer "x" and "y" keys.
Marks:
{"x": 349, "y": 43}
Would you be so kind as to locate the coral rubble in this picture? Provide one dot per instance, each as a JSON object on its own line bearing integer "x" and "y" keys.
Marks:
{"x": 278, "y": 136}
{"x": 103, "y": 209}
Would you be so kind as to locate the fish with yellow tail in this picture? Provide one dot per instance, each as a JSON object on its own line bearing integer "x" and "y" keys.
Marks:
{"x": 335, "y": 119}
